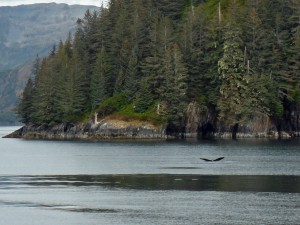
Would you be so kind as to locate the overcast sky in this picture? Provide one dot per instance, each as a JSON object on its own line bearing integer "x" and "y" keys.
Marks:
{"x": 70, "y": 2}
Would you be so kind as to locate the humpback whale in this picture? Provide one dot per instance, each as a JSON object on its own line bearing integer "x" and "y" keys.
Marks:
{"x": 212, "y": 160}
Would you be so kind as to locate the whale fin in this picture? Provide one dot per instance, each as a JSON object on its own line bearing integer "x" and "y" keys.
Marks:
{"x": 212, "y": 160}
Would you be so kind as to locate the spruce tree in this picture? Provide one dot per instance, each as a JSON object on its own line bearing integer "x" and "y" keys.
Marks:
{"x": 25, "y": 108}
{"x": 132, "y": 78}
{"x": 233, "y": 103}
{"x": 294, "y": 59}
{"x": 238, "y": 58}
{"x": 143, "y": 98}
{"x": 100, "y": 80}
{"x": 174, "y": 72}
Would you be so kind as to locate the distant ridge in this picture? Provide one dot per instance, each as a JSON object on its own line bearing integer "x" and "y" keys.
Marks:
{"x": 27, "y": 31}
{"x": 50, "y": 3}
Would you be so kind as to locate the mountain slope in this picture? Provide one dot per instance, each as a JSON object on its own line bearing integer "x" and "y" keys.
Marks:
{"x": 27, "y": 31}
{"x": 11, "y": 85}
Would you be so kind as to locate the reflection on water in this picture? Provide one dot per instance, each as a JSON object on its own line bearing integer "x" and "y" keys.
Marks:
{"x": 226, "y": 183}
{"x": 158, "y": 199}
{"x": 66, "y": 208}
{"x": 161, "y": 183}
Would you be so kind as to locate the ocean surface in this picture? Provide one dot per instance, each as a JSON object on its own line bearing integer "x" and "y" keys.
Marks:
{"x": 149, "y": 182}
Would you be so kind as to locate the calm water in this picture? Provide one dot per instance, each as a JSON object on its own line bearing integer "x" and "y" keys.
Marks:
{"x": 161, "y": 183}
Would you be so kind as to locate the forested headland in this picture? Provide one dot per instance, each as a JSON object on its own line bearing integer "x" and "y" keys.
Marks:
{"x": 231, "y": 61}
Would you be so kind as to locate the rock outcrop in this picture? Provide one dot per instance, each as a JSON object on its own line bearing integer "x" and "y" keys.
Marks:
{"x": 261, "y": 126}
{"x": 202, "y": 122}
{"x": 106, "y": 129}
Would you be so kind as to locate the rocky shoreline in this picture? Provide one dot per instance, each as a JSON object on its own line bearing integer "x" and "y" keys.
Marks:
{"x": 112, "y": 129}
{"x": 115, "y": 129}
{"x": 200, "y": 123}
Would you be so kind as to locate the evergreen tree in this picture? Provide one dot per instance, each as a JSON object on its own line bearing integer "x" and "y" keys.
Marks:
{"x": 258, "y": 49}
{"x": 144, "y": 98}
{"x": 202, "y": 50}
{"x": 174, "y": 72}
{"x": 171, "y": 9}
{"x": 100, "y": 80}
{"x": 233, "y": 103}
{"x": 42, "y": 101}
{"x": 123, "y": 64}
{"x": 131, "y": 81}
{"x": 294, "y": 60}
{"x": 160, "y": 40}
{"x": 239, "y": 58}
{"x": 81, "y": 86}
{"x": 25, "y": 108}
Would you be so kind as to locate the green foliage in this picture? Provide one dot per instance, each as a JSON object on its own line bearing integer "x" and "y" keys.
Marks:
{"x": 296, "y": 95}
{"x": 128, "y": 113}
{"x": 144, "y": 98}
{"x": 24, "y": 109}
{"x": 234, "y": 102}
{"x": 112, "y": 105}
{"x": 99, "y": 80}
{"x": 201, "y": 100}
{"x": 239, "y": 58}
{"x": 83, "y": 117}
{"x": 173, "y": 90}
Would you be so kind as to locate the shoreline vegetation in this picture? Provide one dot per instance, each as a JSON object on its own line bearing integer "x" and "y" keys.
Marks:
{"x": 182, "y": 69}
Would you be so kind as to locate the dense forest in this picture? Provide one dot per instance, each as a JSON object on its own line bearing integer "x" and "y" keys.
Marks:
{"x": 147, "y": 60}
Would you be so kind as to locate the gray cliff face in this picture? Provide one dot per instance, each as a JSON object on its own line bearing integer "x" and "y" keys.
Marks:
{"x": 90, "y": 131}
{"x": 200, "y": 121}
{"x": 203, "y": 123}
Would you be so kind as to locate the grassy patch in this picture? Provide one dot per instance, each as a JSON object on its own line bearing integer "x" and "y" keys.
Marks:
{"x": 128, "y": 113}
{"x": 118, "y": 107}
{"x": 112, "y": 105}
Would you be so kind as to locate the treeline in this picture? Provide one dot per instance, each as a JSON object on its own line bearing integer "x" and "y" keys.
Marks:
{"x": 149, "y": 59}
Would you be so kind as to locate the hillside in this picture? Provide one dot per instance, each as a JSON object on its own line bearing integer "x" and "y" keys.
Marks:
{"x": 200, "y": 67}
{"x": 25, "y": 32}
{"x": 12, "y": 84}
{"x": 29, "y": 30}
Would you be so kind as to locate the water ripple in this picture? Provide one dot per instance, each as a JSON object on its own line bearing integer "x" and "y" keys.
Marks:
{"x": 189, "y": 182}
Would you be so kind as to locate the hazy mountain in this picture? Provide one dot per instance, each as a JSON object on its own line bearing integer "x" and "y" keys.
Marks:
{"x": 32, "y": 29}
{"x": 11, "y": 86}
{"x": 26, "y": 31}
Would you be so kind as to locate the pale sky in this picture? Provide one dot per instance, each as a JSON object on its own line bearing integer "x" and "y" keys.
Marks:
{"x": 70, "y": 2}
